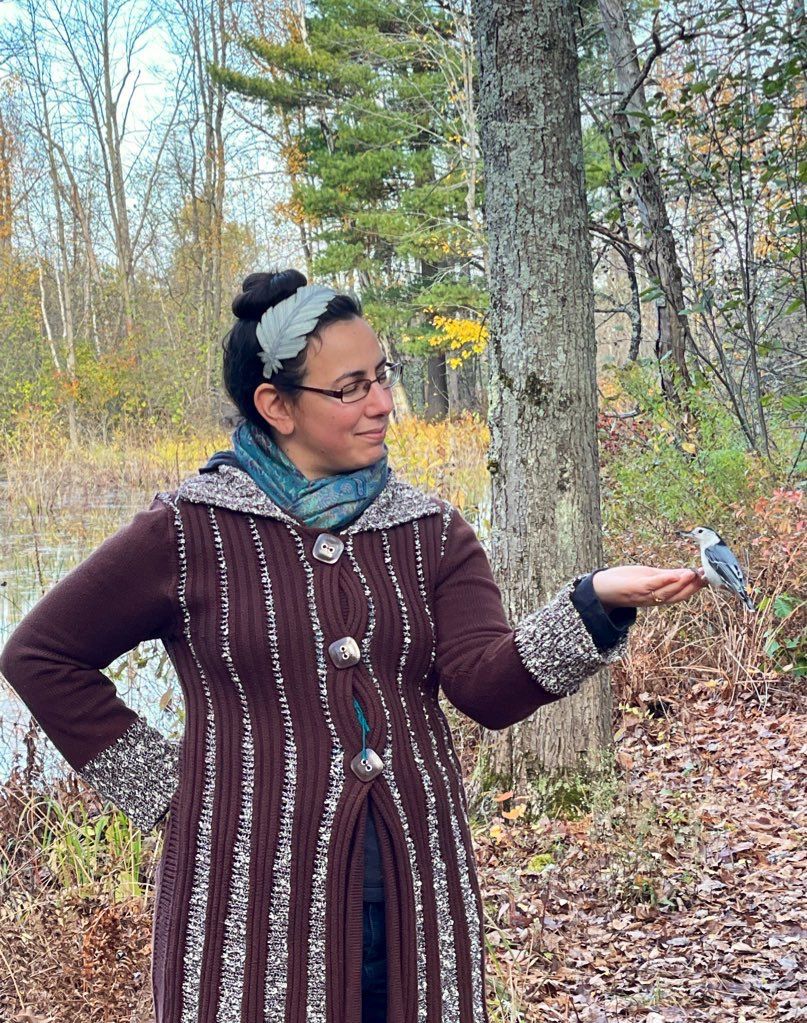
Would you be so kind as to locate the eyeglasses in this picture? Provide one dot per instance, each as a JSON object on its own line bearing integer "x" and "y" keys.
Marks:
{"x": 358, "y": 389}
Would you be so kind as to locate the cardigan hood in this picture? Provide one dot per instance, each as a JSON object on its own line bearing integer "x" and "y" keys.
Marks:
{"x": 222, "y": 482}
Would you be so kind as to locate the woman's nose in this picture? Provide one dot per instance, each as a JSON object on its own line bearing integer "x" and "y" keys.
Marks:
{"x": 379, "y": 398}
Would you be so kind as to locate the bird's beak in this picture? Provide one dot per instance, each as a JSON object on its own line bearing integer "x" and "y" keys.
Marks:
{"x": 684, "y": 533}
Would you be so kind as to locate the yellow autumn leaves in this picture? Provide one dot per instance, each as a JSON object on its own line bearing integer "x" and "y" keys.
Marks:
{"x": 443, "y": 456}
{"x": 462, "y": 337}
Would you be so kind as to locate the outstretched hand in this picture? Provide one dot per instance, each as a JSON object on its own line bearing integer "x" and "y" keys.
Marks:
{"x": 643, "y": 586}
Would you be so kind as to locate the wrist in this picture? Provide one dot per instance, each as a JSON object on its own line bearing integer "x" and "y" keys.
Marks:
{"x": 605, "y": 628}
{"x": 608, "y": 603}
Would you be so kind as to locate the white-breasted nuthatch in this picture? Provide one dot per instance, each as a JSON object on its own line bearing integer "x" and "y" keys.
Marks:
{"x": 720, "y": 566}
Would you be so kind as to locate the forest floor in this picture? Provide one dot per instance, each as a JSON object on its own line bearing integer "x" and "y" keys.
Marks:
{"x": 678, "y": 896}
{"x": 683, "y": 898}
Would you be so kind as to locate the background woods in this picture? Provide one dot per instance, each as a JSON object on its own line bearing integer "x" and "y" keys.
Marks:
{"x": 152, "y": 152}
{"x": 581, "y": 228}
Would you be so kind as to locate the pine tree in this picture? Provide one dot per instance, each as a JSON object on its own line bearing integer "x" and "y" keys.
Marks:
{"x": 365, "y": 89}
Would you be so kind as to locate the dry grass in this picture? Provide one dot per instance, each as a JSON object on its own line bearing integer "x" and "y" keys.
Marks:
{"x": 712, "y": 642}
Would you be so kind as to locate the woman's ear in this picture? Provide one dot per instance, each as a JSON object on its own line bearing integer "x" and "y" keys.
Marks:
{"x": 275, "y": 408}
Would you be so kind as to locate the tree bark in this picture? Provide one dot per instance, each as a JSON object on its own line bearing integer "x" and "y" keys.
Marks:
{"x": 400, "y": 397}
{"x": 435, "y": 397}
{"x": 635, "y": 147}
{"x": 7, "y": 145}
{"x": 204, "y": 23}
{"x": 543, "y": 459}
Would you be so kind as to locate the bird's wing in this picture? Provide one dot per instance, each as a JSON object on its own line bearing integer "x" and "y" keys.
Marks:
{"x": 726, "y": 565}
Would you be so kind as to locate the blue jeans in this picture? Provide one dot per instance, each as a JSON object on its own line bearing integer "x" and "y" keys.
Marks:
{"x": 374, "y": 965}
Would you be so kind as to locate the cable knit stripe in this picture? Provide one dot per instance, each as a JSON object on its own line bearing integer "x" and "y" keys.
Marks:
{"x": 197, "y": 906}
{"x": 317, "y": 966}
{"x": 448, "y": 513}
{"x": 390, "y": 777}
{"x": 466, "y": 866}
{"x": 277, "y": 945}
{"x": 445, "y": 922}
{"x": 234, "y": 949}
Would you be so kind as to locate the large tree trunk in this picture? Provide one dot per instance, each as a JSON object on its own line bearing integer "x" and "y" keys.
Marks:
{"x": 543, "y": 459}
{"x": 636, "y": 146}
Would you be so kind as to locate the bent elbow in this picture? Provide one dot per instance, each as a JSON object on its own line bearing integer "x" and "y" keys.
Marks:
{"x": 12, "y": 662}
{"x": 26, "y": 668}
{"x": 495, "y": 713}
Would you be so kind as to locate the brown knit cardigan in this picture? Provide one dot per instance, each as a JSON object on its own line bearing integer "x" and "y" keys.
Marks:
{"x": 258, "y": 914}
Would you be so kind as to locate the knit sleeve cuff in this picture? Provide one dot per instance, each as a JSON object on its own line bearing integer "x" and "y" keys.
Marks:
{"x": 605, "y": 627}
{"x": 139, "y": 772}
{"x": 557, "y": 649}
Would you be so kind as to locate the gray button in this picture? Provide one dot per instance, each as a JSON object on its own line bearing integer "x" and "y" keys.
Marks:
{"x": 328, "y": 548}
{"x": 344, "y": 652}
{"x": 368, "y": 768}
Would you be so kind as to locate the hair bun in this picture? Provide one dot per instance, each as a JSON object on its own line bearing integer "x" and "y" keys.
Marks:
{"x": 260, "y": 291}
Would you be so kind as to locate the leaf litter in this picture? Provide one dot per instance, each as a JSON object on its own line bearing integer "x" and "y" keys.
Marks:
{"x": 682, "y": 898}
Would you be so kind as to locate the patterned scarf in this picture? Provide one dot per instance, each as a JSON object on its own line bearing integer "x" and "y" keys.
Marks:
{"x": 327, "y": 503}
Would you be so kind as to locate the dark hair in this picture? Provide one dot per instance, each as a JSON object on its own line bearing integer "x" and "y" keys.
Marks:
{"x": 242, "y": 369}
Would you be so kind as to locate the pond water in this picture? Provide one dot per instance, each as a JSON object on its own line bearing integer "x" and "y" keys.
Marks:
{"x": 32, "y": 559}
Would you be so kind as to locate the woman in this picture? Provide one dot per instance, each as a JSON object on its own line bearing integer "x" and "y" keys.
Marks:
{"x": 318, "y": 862}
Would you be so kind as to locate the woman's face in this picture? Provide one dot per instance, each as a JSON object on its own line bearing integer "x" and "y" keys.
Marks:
{"x": 321, "y": 434}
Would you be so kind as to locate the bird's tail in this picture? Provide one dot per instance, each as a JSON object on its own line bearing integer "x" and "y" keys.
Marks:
{"x": 747, "y": 601}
